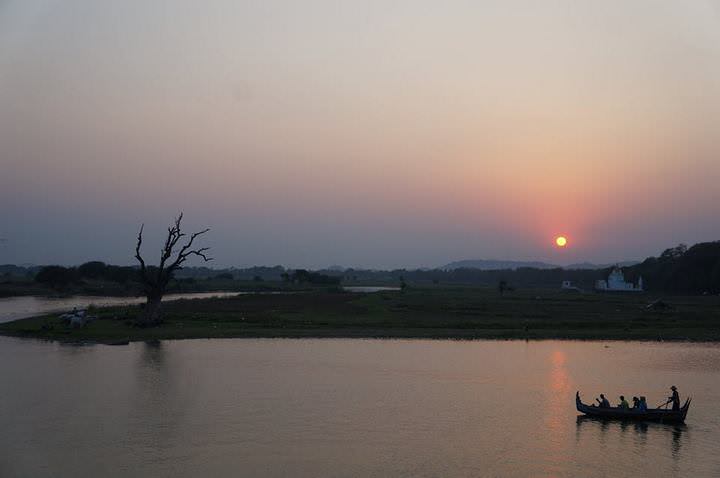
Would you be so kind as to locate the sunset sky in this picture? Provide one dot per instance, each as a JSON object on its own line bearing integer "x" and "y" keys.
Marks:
{"x": 361, "y": 133}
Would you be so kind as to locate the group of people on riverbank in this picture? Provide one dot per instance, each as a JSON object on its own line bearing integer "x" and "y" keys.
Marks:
{"x": 640, "y": 404}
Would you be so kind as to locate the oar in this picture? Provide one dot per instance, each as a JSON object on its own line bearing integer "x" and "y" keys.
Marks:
{"x": 663, "y": 404}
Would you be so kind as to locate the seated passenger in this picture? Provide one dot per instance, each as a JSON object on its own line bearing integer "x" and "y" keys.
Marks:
{"x": 604, "y": 403}
{"x": 636, "y": 403}
{"x": 623, "y": 403}
{"x": 643, "y": 404}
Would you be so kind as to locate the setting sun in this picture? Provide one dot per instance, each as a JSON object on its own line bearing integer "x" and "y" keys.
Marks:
{"x": 561, "y": 241}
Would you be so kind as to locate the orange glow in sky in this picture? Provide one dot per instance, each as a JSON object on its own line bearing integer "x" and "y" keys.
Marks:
{"x": 358, "y": 128}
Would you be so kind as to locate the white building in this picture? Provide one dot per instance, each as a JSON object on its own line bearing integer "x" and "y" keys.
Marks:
{"x": 616, "y": 282}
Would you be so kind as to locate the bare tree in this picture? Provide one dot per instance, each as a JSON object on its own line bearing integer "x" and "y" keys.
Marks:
{"x": 155, "y": 279}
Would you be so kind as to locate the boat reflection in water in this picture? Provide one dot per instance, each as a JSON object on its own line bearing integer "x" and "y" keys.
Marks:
{"x": 633, "y": 434}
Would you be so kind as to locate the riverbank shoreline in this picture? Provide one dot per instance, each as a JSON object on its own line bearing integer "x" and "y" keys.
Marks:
{"x": 108, "y": 289}
{"x": 273, "y": 334}
{"x": 431, "y": 313}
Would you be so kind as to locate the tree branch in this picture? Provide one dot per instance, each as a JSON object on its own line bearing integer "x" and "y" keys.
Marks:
{"x": 174, "y": 235}
{"x": 143, "y": 269}
{"x": 185, "y": 252}
{"x": 156, "y": 280}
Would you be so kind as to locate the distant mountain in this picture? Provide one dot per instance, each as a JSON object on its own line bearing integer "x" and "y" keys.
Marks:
{"x": 590, "y": 265}
{"x": 490, "y": 265}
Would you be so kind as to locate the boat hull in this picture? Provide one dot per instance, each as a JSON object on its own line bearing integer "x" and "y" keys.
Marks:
{"x": 651, "y": 415}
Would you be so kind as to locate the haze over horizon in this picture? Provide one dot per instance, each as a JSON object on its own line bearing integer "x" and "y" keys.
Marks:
{"x": 369, "y": 134}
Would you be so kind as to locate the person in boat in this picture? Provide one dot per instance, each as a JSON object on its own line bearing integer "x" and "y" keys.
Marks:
{"x": 675, "y": 398}
{"x": 636, "y": 403}
{"x": 604, "y": 403}
{"x": 642, "y": 406}
{"x": 623, "y": 403}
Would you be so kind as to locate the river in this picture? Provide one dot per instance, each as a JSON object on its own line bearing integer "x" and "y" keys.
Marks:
{"x": 350, "y": 408}
{"x": 21, "y": 307}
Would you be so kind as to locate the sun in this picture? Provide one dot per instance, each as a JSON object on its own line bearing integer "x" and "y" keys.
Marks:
{"x": 561, "y": 241}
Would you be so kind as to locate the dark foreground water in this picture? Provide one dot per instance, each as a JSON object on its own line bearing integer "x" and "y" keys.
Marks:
{"x": 349, "y": 408}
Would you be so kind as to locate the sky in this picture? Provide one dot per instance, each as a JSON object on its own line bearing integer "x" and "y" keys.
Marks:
{"x": 362, "y": 133}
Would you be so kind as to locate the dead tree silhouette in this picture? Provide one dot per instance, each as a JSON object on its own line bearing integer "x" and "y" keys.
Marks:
{"x": 156, "y": 279}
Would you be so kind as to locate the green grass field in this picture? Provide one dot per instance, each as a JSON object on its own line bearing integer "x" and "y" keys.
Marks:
{"x": 131, "y": 289}
{"x": 433, "y": 312}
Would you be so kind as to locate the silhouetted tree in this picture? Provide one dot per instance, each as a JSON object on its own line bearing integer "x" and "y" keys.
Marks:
{"x": 57, "y": 276}
{"x": 120, "y": 274}
{"x": 403, "y": 284}
{"x": 674, "y": 252}
{"x": 92, "y": 270}
{"x": 155, "y": 279}
{"x": 682, "y": 270}
{"x": 502, "y": 286}
{"x": 300, "y": 276}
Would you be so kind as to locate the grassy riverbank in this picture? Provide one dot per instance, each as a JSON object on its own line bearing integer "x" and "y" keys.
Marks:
{"x": 463, "y": 313}
{"x": 134, "y": 289}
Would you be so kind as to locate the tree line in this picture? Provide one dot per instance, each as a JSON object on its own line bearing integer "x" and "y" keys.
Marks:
{"x": 682, "y": 270}
{"x": 59, "y": 276}
{"x": 677, "y": 270}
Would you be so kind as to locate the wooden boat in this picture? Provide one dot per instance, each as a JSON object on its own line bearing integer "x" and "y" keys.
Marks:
{"x": 663, "y": 415}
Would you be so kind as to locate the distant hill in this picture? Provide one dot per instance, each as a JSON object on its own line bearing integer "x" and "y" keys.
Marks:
{"x": 491, "y": 265}
{"x": 591, "y": 266}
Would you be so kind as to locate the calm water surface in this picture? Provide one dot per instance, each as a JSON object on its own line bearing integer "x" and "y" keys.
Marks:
{"x": 351, "y": 408}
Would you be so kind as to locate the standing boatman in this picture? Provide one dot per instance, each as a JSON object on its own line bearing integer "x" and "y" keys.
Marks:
{"x": 675, "y": 398}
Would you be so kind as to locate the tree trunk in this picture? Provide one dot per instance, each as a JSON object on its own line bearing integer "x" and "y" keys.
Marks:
{"x": 151, "y": 315}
